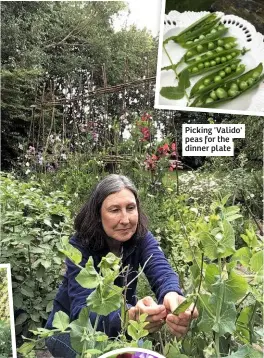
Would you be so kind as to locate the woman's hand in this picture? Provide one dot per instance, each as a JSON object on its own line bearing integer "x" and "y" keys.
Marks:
{"x": 156, "y": 313}
{"x": 178, "y": 325}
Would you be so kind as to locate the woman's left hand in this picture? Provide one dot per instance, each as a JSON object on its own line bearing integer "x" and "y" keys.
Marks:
{"x": 178, "y": 325}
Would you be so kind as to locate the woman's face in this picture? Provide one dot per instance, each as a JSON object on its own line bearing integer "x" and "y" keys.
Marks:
{"x": 119, "y": 215}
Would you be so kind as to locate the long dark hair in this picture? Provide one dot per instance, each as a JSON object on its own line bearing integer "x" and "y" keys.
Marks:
{"x": 88, "y": 224}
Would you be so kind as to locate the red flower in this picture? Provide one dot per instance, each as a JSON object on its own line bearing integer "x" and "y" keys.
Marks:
{"x": 173, "y": 146}
{"x": 166, "y": 147}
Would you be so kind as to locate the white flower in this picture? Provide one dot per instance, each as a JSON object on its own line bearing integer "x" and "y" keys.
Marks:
{"x": 27, "y": 164}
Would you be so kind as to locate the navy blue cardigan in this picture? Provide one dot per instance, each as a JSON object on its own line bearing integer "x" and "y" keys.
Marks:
{"x": 71, "y": 297}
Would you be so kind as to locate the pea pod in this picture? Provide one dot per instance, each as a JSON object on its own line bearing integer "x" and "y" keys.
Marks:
{"x": 211, "y": 81}
{"x": 195, "y": 29}
{"x": 225, "y": 43}
{"x": 230, "y": 89}
{"x": 218, "y": 53}
{"x": 215, "y": 33}
{"x": 210, "y": 63}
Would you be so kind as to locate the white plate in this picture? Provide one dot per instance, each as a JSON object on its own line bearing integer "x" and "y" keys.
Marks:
{"x": 252, "y": 102}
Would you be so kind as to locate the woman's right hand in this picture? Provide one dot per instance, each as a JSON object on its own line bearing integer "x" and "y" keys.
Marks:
{"x": 156, "y": 313}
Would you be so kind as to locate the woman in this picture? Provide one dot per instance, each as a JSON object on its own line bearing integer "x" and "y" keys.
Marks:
{"x": 112, "y": 221}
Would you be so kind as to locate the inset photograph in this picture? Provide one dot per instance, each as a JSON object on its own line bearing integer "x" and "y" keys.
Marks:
{"x": 210, "y": 61}
{"x": 7, "y": 331}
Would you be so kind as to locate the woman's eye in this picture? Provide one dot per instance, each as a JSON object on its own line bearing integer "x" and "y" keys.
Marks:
{"x": 131, "y": 208}
{"x": 114, "y": 210}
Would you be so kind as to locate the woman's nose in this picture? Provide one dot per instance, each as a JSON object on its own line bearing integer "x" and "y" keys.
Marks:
{"x": 124, "y": 217}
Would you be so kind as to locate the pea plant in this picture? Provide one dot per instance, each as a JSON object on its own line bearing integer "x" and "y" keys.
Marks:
{"x": 31, "y": 225}
{"x": 106, "y": 298}
{"x": 225, "y": 285}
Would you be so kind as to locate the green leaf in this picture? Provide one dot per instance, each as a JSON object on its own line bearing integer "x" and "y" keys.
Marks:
{"x": 27, "y": 291}
{"x": 21, "y": 318}
{"x": 242, "y": 324}
{"x": 47, "y": 222}
{"x": 250, "y": 238}
{"x": 105, "y": 302}
{"x": 219, "y": 248}
{"x": 173, "y": 93}
{"x": 49, "y": 306}
{"x": 61, "y": 321}
{"x": 81, "y": 324}
{"x": 26, "y": 348}
{"x": 71, "y": 252}
{"x": 236, "y": 287}
{"x": 93, "y": 351}
{"x": 227, "y": 318}
{"x": 88, "y": 276}
{"x": 184, "y": 80}
{"x": 212, "y": 275}
{"x": 246, "y": 352}
{"x": 256, "y": 262}
{"x": 230, "y": 213}
{"x": 243, "y": 255}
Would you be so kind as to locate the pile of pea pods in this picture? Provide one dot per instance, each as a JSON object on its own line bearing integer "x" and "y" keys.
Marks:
{"x": 209, "y": 51}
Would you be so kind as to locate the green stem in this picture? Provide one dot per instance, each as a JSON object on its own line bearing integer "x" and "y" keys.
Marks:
{"x": 186, "y": 236}
{"x": 218, "y": 311}
{"x": 174, "y": 69}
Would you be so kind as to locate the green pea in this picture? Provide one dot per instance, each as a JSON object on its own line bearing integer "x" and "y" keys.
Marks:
{"x": 212, "y": 63}
{"x": 194, "y": 69}
{"x": 234, "y": 87}
{"x": 221, "y": 27}
{"x": 195, "y": 40}
{"x": 209, "y": 100}
{"x": 250, "y": 81}
{"x": 198, "y": 58}
{"x": 220, "y": 42}
{"x": 232, "y": 44}
{"x": 189, "y": 42}
{"x": 229, "y": 57}
{"x": 221, "y": 93}
{"x": 213, "y": 95}
{"x": 200, "y": 66}
{"x": 233, "y": 66}
{"x": 207, "y": 64}
{"x": 243, "y": 85}
{"x": 201, "y": 87}
{"x": 201, "y": 37}
{"x": 217, "y": 79}
{"x": 189, "y": 53}
{"x": 240, "y": 67}
{"x": 227, "y": 46}
{"x": 233, "y": 54}
{"x": 213, "y": 31}
{"x": 217, "y": 59}
{"x": 199, "y": 48}
{"x": 228, "y": 70}
{"x": 223, "y": 59}
{"x": 255, "y": 74}
{"x": 207, "y": 81}
{"x": 222, "y": 74}
{"x": 232, "y": 92}
{"x": 219, "y": 49}
{"x": 209, "y": 53}
{"x": 211, "y": 46}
